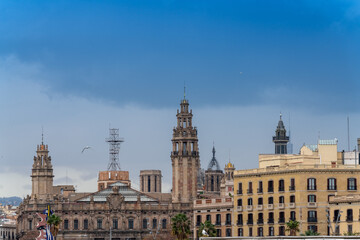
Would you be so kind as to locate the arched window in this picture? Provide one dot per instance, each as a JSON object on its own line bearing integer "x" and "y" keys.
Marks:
{"x": 164, "y": 223}
{"x": 281, "y": 185}
{"x": 311, "y": 198}
{"x": 250, "y": 202}
{"x": 239, "y": 202}
{"x": 154, "y": 223}
{"x": 66, "y": 224}
{"x": 145, "y": 223}
{"x": 76, "y": 224}
{"x": 270, "y": 186}
{"x": 270, "y": 200}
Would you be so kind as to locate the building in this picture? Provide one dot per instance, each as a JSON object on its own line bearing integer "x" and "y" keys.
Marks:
{"x": 291, "y": 187}
{"x": 213, "y": 176}
{"x": 116, "y": 208}
{"x": 344, "y": 214}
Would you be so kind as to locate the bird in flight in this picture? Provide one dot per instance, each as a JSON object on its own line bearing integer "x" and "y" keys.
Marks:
{"x": 85, "y": 148}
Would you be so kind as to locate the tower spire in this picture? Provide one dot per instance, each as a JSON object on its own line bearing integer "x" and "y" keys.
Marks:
{"x": 184, "y": 90}
{"x": 42, "y": 135}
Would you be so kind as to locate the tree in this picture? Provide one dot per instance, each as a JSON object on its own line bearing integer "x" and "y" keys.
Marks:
{"x": 180, "y": 226}
{"x": 54, "y": 222}
{"x": 293, "y": 227}
{"x": 310, "y": 233}
{"x": 209, "y": 229}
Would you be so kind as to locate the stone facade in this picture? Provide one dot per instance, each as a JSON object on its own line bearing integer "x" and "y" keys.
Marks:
{"x": 150, "y": 181}
{"x": 106, "y": 178}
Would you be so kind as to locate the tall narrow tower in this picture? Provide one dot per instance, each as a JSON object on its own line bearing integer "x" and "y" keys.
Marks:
{"x": 42, "y": 174}
{"x": 280, "y": 139}
{"x": 184, "y": 156}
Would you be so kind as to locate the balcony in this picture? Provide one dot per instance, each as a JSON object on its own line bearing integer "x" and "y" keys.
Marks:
{"x": 249, "y": 208}
{"x": 239, "y": 223}
{"x": 270, "y": 206}
{"x": 259, "y": 207}
{"x": 228, "y": 223}
{"x": 281, "y": 189}
{"x": 270, "y": 190}
{"x": 217, "y": 223}
{"x": 259, "y": 190}
{"x": 270, "y": 221}
{"x": 281, "y": 220}
{"x": 292, "y": 205}
{"x": 312, "y": 220}
{"x": 198, "y": 224}
{"x": 239, "y": 208}
{"x": 249, "y": 191}
{"x": 249, "y": 222}
{"x": 281, "y": 205}
{"x": 239, "y": 192}
{"x": 349, "y": 218}
{"x": 260, "y": 221}
{"x": 312, "y": 205}
{"x": 291, "y": 188}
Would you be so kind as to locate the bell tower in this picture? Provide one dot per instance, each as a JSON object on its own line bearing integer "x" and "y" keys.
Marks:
{"x": 280, "y": 139}
{"x": 184, "y": 156}
{"x": 42, "y": 174}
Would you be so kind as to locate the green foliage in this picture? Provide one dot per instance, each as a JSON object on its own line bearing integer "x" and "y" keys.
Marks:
{"x": 293, "y": 227}
{"x": 310, "y": 233}
{"x": 180, "y": 226}
{"x": 54, "y": 220}
{"x": 209, "y": 229}
{"x": 351, "y": 233}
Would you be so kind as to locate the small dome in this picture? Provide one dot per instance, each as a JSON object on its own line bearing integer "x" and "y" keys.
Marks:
{"x": 229, "y": 165}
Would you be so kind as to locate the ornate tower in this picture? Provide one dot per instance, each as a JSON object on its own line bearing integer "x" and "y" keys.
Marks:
{"x": 280, "y": 139}
{"x": 213, "y": 176}
{"x": 42, "y": 174}
{"x": 184, "y": 156}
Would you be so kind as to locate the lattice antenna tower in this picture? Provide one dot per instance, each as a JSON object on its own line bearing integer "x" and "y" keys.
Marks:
{"x": 114, "y": 147}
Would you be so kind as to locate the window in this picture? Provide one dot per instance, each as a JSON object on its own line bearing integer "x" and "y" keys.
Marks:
{"x": 239, "y": 202}
{"x": 271, "y": 217}
{"x": 350, "y": 231}
{"x": 312, "y": 228}
{"x": 228, "y": 219}
{"x": 240, "y": 188}
{"x": 218, "y": 232}
{"x": 76, "y": 224}
{"x": 228, "y": 232}
{"x": 30, "y": 224}
{"x": 250, "y": 189}
{"x": 145, "y": 223}
{"x": 218, "y": 219}
{"x": 250, "y": 232}
{"x": 149, "y": 184}
{"x": 208, "y": 218}
{"x": 240, "y": 232}
{"x": 99, "y": 223}
{"x": 311, "y": 198}
{"x": 292, "y": 198}
{"x": 351, "y": 184}
{"x": 271, "y": 231}
{"x": 250, "y": 202}
{"x": 115, "y": 223}
{"x": 292, "y": 184}
{"x": 260, "y": 201}
{"x": 260, "y": 189}
{"x": 281, "y": 185}
{"x": 260, "y": 218}
{"x": 131, "y": 223}
{"x": 164, "y": 224}
{"x": 331, "y": 184}
{"x": 240, "y": 219}
{"x": 349, "y": 215}
{"x": 271, "y": 200}
{"x": 270, "y": 186}
{"x": 311, "y": 184}
{"x": 281, "y": 199}
{"x": 281, "y": 231}
{"x": 250, "y": 219}
{"x": 154, "y": 223}
{"x": 86, "y": 224}
{"x": 260, "y": 232}
{"x": 293, "y": 215}
{"x": 281, "y": 217}
{"x": 312, "y": 216}
{"x": 336, "y": 216}
{"x": 66, "y": 224}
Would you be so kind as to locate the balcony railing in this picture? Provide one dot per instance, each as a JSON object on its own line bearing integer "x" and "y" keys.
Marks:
{"x": 239, "y": 192}
{"x": 281, "y": 220}
{"x": 281, "y": 205}
{"x": 312, "y": 220}
{"x": 228, "y": 223}
{"x": 249, "y": 222}
{"x": 260, "y": 221}
{"x": 259, "y": 207}
{"x": 270, "y": 206}
{"x": 292, "y": 219}
{"x": 249, "y": 207}
{"x": 349, "y": 218}
{"x": 291, "y": 188}
{"x": 270, "y": 190}
{"x": 312, "y": 205}
{"x": 292, "y": 205}
{"x": 217, "y": 223}
{"x": 249, "y": 191}
{"x": 281, "y": 189}
{"x": 239, "y": 208}
{"x": 335, "y": 218}
{"x": 239, "y": 223}
{"x": 270, "y": 221}
{"x": 259, "y": 190}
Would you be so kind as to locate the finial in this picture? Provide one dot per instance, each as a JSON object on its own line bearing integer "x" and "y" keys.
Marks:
{"x": 42, "y": 135}
{"x": 213, "y": 150}
{"x": 280, "y": 116}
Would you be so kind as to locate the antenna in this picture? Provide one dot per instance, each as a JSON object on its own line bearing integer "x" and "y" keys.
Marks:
{"x": 114, "y": 148}
{"x": 184, "y": 89}
{"x": 42, "y": 135}
{"x": 348, "y": 133}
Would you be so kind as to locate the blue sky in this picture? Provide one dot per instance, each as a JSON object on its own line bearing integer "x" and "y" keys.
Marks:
{"x": 71, "y": 66}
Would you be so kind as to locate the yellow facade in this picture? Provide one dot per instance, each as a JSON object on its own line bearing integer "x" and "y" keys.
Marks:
{"x": 292, "y": 186}
{"x": 344, "y": 211}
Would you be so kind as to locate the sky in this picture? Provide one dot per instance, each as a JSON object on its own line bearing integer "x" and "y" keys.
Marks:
{"x": 76, "y": 68}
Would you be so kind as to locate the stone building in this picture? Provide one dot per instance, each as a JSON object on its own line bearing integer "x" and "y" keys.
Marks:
{"x": 213, "y": 176}
{"x": 150, "y": 181}
{"x": 116, "y": 208}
